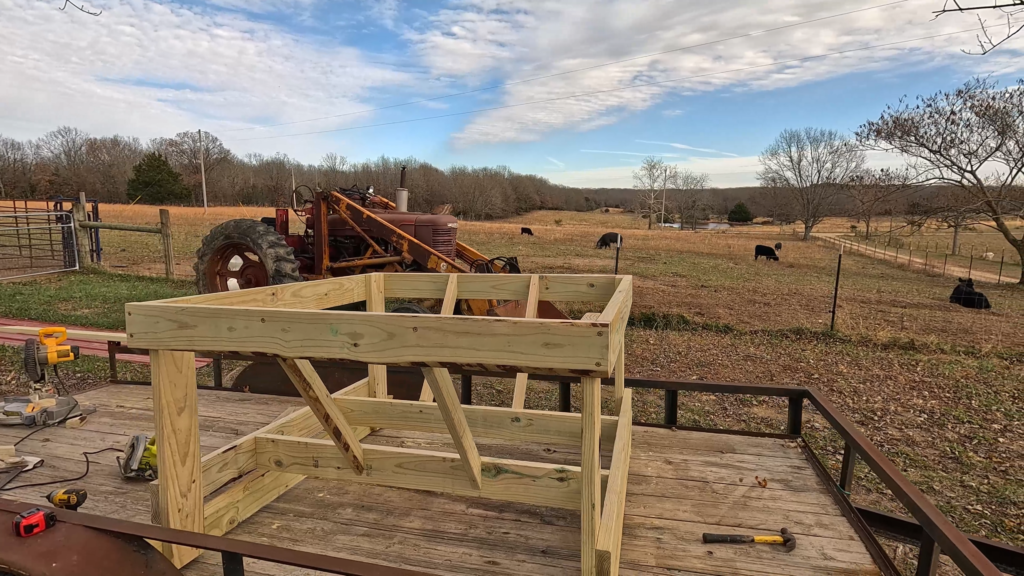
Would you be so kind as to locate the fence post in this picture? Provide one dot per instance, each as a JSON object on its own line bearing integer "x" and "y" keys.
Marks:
{"x": 835, "y": 293}
{"x": 970, "y": 267}
{"x": 81, "y": 235}
{"x": 165, "y": 236}
{"x": 926, "y": 261}
{"x": 910, "y": 259}
{"x": 1001, "y": 260}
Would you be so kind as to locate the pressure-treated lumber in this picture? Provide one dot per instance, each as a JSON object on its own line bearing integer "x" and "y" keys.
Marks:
{"x": 318, "y": 295}
{"x": 451, "y": 411}
{"x": 484, "y": 421}
{"x": 571, "y": 347}
{"x": 620, "y": 377}
{"x": 375, "y": 303}
{"x": 451, "y": 295}
{"x": 311, "y": 387}
{"x": 176, "y": 415}
{"x": 609, "y": 536}
{"x": 616, "y": 314}
{"x": 239, "y": 457}
{"x": 553, "y": 287}
{"x": 509, "y": 480}
{"x": 86, "y": 335}
{"x": 590, "y": 505}
{"x": 519, "y": 394}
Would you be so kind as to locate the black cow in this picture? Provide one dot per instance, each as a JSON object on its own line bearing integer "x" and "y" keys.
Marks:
{"x": 767, "y": 251}
{"x": 965, "y": 295}
{"x": 609, "y": 239}
{"x": 778, "y": 246}
{"x": 526, "y": 231}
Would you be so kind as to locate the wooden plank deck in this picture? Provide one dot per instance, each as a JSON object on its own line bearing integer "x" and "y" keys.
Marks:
{"x": 680, "y": 485}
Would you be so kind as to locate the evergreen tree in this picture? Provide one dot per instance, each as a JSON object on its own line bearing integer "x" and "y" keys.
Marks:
{"x": 156, "y": 181}
{"x": 740, "y": 213}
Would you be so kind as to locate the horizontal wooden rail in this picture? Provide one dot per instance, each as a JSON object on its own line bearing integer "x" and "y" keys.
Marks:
{"x": 122, "y": 227}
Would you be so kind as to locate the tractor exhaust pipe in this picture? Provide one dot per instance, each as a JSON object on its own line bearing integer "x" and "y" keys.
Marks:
{"x": 402, "y": 195}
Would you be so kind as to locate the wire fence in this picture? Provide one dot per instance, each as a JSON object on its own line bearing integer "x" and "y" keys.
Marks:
{"x": 934, "y": 257}
{"x": 36, "y": 242}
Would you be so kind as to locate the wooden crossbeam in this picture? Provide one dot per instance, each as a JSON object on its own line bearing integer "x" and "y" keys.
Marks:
{"x": 609, "y": 536}
{"x": 553, "y": 287}
{"x": 441, "y": 385}
{"x": 378, "y": 373}
{"x": 318, "y": 295}
{"x": 311, "y": 387}
{"x": 451, "y": 295}
{"x": 519, "y": 395}
{"x": 509, "y": 480}
{"x": 484, "y": 421}
{"x": 590, "y": 506}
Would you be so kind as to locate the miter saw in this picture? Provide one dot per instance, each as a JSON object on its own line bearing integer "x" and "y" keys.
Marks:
{"x": 42, "y": 406}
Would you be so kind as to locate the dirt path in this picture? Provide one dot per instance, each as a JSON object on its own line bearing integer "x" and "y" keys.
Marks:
{"x": 951, "y": 270}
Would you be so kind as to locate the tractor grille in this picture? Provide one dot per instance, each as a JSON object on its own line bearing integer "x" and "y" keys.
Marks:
{"x": 443, "y": 240}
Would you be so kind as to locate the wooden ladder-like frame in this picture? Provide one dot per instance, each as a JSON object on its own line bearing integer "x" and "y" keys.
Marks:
{"x": 323, "y": 440}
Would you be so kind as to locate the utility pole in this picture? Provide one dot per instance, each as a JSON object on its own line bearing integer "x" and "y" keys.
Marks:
{"x": 664, "y": 186}
{"x": 293, "y": 177}
{"x": 202, "y": 170}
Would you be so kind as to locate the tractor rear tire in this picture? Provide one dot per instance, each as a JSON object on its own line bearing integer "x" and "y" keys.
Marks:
{"x": 265, "y": 258}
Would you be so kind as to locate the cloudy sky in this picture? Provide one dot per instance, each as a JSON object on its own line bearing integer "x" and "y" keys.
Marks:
{"x": 305, "y": 77}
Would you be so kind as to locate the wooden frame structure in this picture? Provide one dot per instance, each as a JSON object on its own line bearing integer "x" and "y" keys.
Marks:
{"x": 212, "y": 494}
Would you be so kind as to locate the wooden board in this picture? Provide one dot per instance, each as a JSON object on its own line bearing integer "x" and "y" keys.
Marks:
{"x": 456, "y": 535}
{"x": 504, "y": 344}
{"x": 317, "y": 295}
{"x": 553, "y": 287}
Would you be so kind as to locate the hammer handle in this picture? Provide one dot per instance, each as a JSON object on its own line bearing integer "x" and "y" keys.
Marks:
{"x": 726, "y": 538}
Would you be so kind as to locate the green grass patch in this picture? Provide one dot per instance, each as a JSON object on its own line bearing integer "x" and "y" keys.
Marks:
{"x": 94, "y": 299}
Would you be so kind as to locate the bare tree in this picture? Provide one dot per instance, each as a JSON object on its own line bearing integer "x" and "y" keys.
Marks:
{"x": 873, "y": 190}
{"x": 971, "y": 139}
{"x": 651, "y": 181}
{"x": 991, "y": 36}
{"x": 692, "y": 200}
{"x": 183, "y": 152}
{"x": 814, "y": 166}
{"x": 332, "y": 166}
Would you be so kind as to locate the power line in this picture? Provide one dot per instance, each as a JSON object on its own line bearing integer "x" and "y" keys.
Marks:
{"x": 556, "y": 74}
{"x": 610, "y": 90}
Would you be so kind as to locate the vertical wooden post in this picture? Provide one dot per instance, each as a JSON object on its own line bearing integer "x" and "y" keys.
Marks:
{"x": 165, "y": 237}
{"x": 519, "y": 393}
{"x": 590, "y": 507}
{"x": 176, "y": 415}
{"x": 81, "y": 235}
{"x": 375, "y": 303}
{"x": 620, "y": 376}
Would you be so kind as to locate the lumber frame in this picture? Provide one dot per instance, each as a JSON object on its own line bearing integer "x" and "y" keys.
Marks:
{"x": 290, "y": 323}
{"x": 519, "y": 394}
{"x": 609, "y": 536}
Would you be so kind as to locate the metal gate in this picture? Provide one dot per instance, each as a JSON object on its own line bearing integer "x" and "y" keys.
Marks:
{"x": 35, "y": 239}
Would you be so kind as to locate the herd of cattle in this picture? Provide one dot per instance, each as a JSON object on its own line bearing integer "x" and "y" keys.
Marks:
{"x": 964, "y": 294}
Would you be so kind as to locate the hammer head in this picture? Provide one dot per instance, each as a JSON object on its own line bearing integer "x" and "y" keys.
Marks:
{"x": 788, "y": 540}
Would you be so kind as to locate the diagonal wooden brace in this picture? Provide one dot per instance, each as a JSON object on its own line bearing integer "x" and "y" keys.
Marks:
{"x": 440, "y": 382}
{"x": 312, "y": 389}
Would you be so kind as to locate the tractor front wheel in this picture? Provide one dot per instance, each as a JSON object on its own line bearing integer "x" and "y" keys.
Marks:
{"x": 240, "y": 254}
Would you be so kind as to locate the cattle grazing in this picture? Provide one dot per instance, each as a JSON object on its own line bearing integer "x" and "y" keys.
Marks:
{"x": 609, "y": 239}
{"x": 526, "y": 231}
{"x": 767, "y": 251}
{"x": 988, "y": 256}
{"x": 778, "y": 246}
{"x": 965, "y": 295}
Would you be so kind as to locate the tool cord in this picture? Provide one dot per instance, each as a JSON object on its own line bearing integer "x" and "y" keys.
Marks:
{"x": 65, "y": 480}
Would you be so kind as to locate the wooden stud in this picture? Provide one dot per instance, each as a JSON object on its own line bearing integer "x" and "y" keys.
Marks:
{"x": 378, "y": 373}
{"x": 609, "y": 537}
{"x": 519, "y": 394}
{"x": 176, "y": 415}
{"x": 535, "y": 483}
{"x": 451, "y": 295}
{"x": 451, "y": 410}
{"x": 590, "y": 505}
{"x": 616, "y": 314}
{"x": 553, "y": 287}
{"x": 318, "y": 295}
{"x": 620, "y": 377}
{"x": 311, "y": 387}
{"x": 484, "y": 421}
{"x": 244, "y": 498}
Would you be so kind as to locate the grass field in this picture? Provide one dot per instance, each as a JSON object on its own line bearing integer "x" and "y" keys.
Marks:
{"x": 940, "y": 389}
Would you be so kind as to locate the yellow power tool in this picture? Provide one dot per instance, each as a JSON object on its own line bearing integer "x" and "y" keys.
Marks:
{"x": 47, "y": 350}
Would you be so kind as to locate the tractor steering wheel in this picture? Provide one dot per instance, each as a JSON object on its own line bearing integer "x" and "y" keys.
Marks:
{"x": 300, "y": 210}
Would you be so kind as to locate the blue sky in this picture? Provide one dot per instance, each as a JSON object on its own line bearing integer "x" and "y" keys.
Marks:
{"x": 232, "y": 67}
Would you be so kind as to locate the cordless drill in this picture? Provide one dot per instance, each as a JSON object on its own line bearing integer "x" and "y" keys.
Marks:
{"x": 67, "y": 498}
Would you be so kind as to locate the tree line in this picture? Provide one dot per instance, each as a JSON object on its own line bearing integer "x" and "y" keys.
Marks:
{"x": 123, "y": 169}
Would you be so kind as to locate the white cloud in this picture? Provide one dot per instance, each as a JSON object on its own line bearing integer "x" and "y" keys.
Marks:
{"x": 685, "y": 147}
{"x": 671, "y": 113}
{"x": 478, "y": 41}
{"x": 150, "y": 69}
{"x": 555, "y": 162}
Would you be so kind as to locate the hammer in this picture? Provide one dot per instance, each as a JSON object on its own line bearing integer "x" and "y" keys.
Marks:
{"x": 787, "y": 539}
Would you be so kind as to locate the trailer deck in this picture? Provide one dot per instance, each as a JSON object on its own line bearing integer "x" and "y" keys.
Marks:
{"x": 681, "y": 483}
